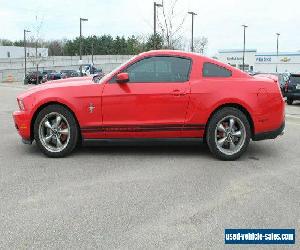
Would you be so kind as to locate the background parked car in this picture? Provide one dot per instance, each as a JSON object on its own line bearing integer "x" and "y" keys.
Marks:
{"x": 33, "y": 77}
{"x": 292, "y": 88}
{"x": 66, "y": 73}
{"x": 45, "y": 74}
{"x": 89, "y": 69}
{"x": 48, "y": 71}
{"x": 53, "y": 76}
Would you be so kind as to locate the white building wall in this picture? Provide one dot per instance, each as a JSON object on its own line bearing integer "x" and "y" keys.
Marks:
{"x": 18, "y": 52}
{"x": 262, "y": 62}
{"x": 235, "y": 58}
{"x": 285, "y": 62}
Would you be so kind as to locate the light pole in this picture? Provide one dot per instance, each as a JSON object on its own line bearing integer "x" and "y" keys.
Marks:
{"x": 154, "y": 21}
{"x": 94, "y": 38}
{"x": 25, "y": 53}
{"x": 192, "y": 42}
{"x": 278, "y": 34}
{"x": 92, "y": 52}
{"x": 245, "y": 26}
{"x": 80, "y": 43}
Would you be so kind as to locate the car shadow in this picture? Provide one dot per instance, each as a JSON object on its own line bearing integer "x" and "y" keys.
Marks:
{"x": 176, "y": 150}
{"x": 256, "y": 151}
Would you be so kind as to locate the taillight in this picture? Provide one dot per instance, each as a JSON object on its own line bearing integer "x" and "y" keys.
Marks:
{"x": 21, "y": 104}
{"x": 286, "y": 86}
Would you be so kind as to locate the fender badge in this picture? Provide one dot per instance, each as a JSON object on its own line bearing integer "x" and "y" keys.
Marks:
{"x": 91, "y": 108}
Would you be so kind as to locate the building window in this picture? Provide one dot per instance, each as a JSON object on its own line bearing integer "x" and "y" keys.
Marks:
{"x": 8, "y": 54}
{"x": 246, "y": 66}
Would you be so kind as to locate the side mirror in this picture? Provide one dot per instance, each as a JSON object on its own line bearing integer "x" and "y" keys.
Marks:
{"x": 122, "y": 78}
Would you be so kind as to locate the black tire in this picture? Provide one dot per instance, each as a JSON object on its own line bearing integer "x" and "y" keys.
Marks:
{"x": 73, "y": 130}
{"x": 289, "y": 101}
{"x": 212, "y": 128}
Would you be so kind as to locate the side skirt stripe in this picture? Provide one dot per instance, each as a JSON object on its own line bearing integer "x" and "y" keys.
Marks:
{"x": 143, "y": 128}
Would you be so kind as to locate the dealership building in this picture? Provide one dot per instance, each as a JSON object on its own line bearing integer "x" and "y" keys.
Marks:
{"x": 261, "y": 61}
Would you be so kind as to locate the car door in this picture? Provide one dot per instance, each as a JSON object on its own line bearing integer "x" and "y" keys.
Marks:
{"x": 152, "y": 104}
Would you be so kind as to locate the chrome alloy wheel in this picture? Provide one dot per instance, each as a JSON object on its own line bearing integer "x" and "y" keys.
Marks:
{"x": 230, "y": 135}
{"x": 54, "y": 132}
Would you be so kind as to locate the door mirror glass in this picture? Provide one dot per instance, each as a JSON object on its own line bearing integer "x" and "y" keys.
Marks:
{"x": 122, "y": 77}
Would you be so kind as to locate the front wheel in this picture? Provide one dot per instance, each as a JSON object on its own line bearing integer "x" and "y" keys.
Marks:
{"x": 228, "y": 133}
{"x": 56, "y": 131}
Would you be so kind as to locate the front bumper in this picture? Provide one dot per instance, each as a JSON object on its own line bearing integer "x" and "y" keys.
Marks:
{"x": 270, "y": 134}
{"x": 22, "y": 124}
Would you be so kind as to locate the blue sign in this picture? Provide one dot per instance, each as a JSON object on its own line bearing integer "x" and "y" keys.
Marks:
{"x": 259, "y": 236}
{"x": 263, "y": 59}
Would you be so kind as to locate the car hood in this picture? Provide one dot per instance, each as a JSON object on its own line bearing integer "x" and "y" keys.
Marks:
{"x": 62, "y": 83}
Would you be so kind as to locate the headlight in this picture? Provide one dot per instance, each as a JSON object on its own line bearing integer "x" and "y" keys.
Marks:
{"x": 21, "y": 104}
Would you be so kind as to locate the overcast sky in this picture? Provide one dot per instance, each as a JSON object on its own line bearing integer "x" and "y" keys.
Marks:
{"x": 219, "y": 20}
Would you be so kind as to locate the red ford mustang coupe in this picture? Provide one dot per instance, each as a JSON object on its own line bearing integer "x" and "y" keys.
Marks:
{"x": 156, "y": 96}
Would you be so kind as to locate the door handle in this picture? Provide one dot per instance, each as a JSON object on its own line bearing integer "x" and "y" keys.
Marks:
{"x": 177, "y": 92}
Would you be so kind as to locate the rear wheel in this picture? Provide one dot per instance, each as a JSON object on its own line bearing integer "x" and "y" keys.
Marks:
{"x": 56, "y": 131}
{"x": 228, "y": 133}
{"x": 289, "y": 101}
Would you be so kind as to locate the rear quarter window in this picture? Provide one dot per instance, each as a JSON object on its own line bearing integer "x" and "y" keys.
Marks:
{"x": 214, "y": 70}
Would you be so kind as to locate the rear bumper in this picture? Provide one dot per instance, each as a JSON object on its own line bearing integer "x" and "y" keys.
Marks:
{"x": 22, "y": 124}
{"x": 269, "y": 134}
{"x": 294, "y": 96}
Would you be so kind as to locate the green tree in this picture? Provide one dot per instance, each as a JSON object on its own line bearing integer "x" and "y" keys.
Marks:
{"x": 154, "y": 42}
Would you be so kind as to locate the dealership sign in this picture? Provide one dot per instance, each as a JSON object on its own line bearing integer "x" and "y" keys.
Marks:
{"x": 268, "y": 59}
{"x": 263, "y": 59}
{"x": 234, "y": 58}
{"x": 285, "y": 59}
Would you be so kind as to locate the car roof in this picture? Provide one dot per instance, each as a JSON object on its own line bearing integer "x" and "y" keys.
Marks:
{"x": 169, "y": 52}
{"x": 181, "y": 53}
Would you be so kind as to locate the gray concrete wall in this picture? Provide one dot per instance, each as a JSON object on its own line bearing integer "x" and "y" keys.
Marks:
{"x": 13, "y": 69}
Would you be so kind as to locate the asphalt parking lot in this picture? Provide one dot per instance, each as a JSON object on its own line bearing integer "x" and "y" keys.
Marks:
{"x": 143, "y": 197}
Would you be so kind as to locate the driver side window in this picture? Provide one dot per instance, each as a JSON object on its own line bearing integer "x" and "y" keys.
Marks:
{"x": 159, "y": 69}
{"x": 142, "y": 71}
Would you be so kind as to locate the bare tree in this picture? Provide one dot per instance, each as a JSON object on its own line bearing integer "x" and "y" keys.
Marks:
{"x": 55, "y": 47}
{"x": 170, "y": 23}
{"x": 36, "y": 40}
{"x": 200, "y": 44}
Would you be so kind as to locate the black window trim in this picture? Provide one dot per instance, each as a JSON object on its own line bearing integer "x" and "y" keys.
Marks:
{"x": 147, "y": 57}
{"x": 203, "y": 76}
